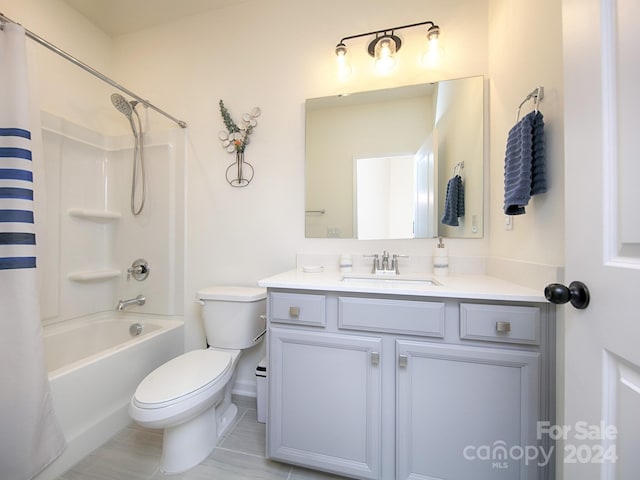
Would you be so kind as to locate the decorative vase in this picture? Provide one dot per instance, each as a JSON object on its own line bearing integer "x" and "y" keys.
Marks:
{"x": 239, "y": 173}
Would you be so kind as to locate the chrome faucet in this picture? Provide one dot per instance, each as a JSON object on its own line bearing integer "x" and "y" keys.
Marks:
{"x": 139, "y": 300}
{"x": 387, "y": 264}
{"x": 385, "y": 261}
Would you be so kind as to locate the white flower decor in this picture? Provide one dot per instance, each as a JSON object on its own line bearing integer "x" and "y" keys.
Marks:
{"x": 236, "y": 138}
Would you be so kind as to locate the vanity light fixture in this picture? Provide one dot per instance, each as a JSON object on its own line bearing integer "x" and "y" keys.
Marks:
{"x": 384, "y": 46}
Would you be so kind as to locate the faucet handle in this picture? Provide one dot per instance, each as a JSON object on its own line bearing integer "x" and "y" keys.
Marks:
{"x": 376, "y": 261}
{"x": 395, "y": 261}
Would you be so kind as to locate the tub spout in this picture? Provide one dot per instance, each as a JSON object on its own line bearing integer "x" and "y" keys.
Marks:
{"x": 139, "y": 300}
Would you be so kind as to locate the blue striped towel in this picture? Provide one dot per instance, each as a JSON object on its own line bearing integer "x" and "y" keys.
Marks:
{"x": 453, "y": 202}
{"x": 524, "y": 164}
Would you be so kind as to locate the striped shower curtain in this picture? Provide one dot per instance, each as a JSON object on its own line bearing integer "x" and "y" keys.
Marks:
{"x": 30, "y": 437}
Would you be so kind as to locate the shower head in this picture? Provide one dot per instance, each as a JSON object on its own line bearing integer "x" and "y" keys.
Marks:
{"x": 128, "y": 108}
{"x": 122, "y": 105}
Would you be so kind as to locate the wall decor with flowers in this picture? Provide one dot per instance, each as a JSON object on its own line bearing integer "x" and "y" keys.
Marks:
{"x": 235, "y": 140}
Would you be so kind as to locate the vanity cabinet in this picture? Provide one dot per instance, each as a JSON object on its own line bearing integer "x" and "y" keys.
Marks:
{"x": 407, "y": 387}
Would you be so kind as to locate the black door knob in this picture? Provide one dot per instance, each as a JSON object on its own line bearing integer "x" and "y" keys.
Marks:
{"x": 577, "y": 293}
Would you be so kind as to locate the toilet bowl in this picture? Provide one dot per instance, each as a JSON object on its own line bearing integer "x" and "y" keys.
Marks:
{"x": 190, "y": 396}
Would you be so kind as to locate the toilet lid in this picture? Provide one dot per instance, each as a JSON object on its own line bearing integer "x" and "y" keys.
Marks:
{"x": 183, "y": 375}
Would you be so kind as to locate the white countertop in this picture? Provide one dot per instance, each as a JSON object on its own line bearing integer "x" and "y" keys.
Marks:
{"x": 476, "y": 287}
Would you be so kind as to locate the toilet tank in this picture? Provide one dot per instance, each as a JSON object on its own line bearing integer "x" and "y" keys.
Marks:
{"x": 232, "y": 315}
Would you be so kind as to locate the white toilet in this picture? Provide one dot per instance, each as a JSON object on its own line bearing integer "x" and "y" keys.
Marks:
{"x": 190, "y": 396}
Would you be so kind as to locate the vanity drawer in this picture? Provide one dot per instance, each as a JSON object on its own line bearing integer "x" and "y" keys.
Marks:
{"x": 297, "y": 308}
{"x": 500, "y": 323}
{"x": 394, "y": 316}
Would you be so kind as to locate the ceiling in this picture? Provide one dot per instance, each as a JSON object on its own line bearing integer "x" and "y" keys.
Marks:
{"x": 117, "y": 17}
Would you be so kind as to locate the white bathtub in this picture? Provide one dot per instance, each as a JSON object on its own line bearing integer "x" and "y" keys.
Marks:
{"x": 94, "y": 366}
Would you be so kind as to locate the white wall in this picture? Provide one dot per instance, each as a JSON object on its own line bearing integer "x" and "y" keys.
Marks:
{"x": 275, "y": 54}
{"x": 523, "y": 56}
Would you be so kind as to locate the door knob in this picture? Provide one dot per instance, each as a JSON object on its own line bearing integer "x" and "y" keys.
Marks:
{"x": 577, "y": 293}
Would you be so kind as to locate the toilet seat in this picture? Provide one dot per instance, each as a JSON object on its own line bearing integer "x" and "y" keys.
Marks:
{"x": 183, "y": 377}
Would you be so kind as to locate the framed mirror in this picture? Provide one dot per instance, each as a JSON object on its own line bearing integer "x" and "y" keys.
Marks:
{"x": 378, "y": 164}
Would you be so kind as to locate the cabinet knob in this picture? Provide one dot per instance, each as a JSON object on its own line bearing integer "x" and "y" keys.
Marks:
{"x": 503, "y": 327}
{"x": 294, "y": 312}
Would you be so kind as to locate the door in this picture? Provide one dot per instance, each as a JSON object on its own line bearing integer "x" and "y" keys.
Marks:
{"x": 601, "y": 424}
{"x": 426, "y": 219}
{"x": 324, "y": 401}
{"x": 458, "y": 403}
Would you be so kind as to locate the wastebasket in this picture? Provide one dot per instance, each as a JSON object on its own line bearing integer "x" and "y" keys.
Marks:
{"x": 261, "y": 381}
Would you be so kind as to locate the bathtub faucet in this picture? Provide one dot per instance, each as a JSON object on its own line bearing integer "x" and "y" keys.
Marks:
{"x": 139, "y": 300}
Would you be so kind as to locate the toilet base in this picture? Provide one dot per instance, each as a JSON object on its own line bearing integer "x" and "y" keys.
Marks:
{"x": 186, "y": 445}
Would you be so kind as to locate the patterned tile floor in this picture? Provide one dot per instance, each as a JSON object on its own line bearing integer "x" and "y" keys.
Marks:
{"x": 134, "y": 454}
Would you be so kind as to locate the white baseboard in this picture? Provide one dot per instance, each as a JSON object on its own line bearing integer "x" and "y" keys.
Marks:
{"x": 244, "y": 389}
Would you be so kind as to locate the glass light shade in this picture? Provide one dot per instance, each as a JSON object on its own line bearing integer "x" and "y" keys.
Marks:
{"x": 385, "y": 50}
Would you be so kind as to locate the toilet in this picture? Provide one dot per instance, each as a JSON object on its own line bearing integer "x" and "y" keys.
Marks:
{"x": 190, "y": 396}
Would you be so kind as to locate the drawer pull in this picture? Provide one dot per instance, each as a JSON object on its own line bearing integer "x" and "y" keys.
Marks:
{"x": 402, "y": 360}
{"x": 503, "y": 327}
{"x": 294, "y": 312}
{"x": 375, "y": 358}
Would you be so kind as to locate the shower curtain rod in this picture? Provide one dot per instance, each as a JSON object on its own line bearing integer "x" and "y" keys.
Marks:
{"x": 91, "y": 70}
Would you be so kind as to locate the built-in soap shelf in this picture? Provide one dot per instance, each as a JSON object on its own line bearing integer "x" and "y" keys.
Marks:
{"x": 93, "y": 275}
{"x": 101, "y": 216}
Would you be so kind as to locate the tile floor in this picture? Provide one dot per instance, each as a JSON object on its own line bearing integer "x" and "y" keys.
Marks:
{"x": 134, "y": 454}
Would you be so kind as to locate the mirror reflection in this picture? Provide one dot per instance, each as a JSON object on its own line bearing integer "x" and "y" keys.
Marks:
{"x": 398, "y": 163}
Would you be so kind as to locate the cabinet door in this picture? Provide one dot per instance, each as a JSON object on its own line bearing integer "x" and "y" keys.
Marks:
{"x": 324, "y": 401}
{"x": 467, "y": 413}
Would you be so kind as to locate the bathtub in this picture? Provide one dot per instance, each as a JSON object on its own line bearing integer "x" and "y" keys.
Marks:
{"x": 95, "y": 365}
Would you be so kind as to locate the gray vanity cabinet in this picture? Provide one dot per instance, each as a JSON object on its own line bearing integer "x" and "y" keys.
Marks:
{"x": 406, "y": 387}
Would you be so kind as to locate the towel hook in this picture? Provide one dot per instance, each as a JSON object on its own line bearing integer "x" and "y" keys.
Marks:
{"x": 457, "y": 170}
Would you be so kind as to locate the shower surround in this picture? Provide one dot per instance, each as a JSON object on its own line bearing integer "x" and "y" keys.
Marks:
{"x": 88, "y": 238}
{"x": 91, "y": 237}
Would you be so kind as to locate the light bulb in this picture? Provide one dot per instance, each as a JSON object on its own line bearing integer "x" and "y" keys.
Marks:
{"x": 344, "y": 66}
{"x": 384, "y": 54}
{"x": 433, "y": 54}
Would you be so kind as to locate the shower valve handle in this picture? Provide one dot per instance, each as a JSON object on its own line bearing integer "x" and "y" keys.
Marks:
{"x": 139, "y": 270}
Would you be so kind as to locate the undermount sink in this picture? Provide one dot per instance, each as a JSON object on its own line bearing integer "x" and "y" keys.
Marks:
{"x": 389, "y": 279}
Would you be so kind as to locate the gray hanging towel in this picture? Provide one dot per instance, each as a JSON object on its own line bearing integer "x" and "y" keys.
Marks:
{"x": 524, "y": 165}
{"x": 453, "y": 202}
